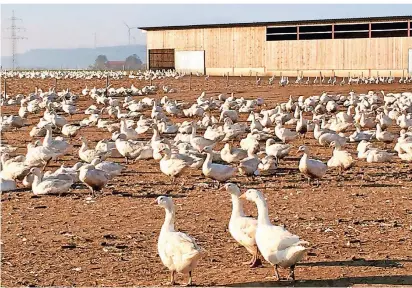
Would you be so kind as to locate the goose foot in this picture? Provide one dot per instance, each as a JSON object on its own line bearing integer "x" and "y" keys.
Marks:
{"x": 172, "y": 278}
{"x": 277, "y": 277}
{"x": 256, "y": 263}
{"x": 292, "y": 273}
{"x": 250, "y": 262}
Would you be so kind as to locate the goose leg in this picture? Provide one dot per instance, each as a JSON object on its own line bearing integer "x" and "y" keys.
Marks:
{"x": 91, "y": 188}
{"x": 189, "y": 283}
{"x": 172, "y": 278}
{"x": 292, "y": 273}
{"x": 45, "y": 165}
{"x": 277, "y": 273}
{"x": 255, "y": 260}
{"x": 127, "y": 160}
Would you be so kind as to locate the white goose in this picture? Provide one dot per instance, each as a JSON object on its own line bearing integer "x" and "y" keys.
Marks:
{"x": 232, "y": 155}
{"x": 178, "y": 251}
{"x": 277, "y": 245}
{"x": 172, "y": 167}
{"x": 199, "y": 142}
{"x": 284, "y": 134}
{"x": 340, "y": 159}
{"x": 384, "y": 136}
{"x": 242, "y": 228}
{"x": 87, "y": 155}
{"x": 49, "y": 185}
{"x": 130, "y": 133}
{"x": 249, "y": 165}
{"x": 131, "y": 149}
{"x": 218, "y": 172}
{"x": 269, "y": 164}
{"x": 39, "y": 155}
{"x": 57, "y": 144}
{"x": 70, "y": 130}
{"x": 94, "y": 179}
{"x": 311, "y": 168}
{"x": 15, "y": 168}
{"x": 277, "y": 150}
{"x": 111, "y": 168}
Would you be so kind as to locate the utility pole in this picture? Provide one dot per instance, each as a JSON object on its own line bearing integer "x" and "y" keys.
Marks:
{"x": 15, "y": 38}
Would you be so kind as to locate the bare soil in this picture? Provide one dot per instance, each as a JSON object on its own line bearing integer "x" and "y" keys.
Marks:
{"x": 360, "y": 230}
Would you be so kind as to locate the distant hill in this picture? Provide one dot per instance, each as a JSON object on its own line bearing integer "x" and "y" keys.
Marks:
{"x": 72, "y": 58}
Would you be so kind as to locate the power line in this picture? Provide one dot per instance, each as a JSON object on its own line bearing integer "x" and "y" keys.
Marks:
{"x": 15, "y": 37}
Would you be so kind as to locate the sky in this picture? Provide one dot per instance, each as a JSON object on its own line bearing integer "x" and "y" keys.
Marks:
{"x": 74, "y": 25}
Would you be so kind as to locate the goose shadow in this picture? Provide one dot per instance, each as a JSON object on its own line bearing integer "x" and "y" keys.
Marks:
{"x": 18, "y": 190}
{"x": 383, "y": 263}
{"x": 376, "y": 185}
{"x": 147, "y": 195}
{"x": 337, "y": 282}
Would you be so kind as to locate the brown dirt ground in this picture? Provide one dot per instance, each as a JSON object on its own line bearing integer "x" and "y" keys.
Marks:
{"x": 359, "y": 230}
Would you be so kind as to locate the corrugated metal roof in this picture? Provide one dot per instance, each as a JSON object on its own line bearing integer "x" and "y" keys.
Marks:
{"x": 282, "y": 23}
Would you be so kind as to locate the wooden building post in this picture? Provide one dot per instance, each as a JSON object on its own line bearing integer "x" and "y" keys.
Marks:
{"x": 227, "y": 80}
{"x": 190, "y": 81}
{"x": 370, "y": 30}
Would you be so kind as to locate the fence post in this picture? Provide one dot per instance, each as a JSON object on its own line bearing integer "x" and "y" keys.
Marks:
{"x": 227, "y": 80}
{"x": 55, "y": 85}
{"x": 5, "y": 87}
{"x": 107, "y": 85}
{"x": 150, "y": 81}
{"x": 190, "y": 81}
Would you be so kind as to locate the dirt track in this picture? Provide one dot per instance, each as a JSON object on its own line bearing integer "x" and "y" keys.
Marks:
{"x": 360, "y": 230}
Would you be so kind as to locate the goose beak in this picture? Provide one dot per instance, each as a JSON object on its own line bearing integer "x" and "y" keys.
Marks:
{"x": 154, "y": 202}
{"x": 223, "y": 188}
{"x": 243, "y": 196}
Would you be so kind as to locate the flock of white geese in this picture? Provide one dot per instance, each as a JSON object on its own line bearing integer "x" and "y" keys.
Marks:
{"x": 91, "y": 74}
{"x": 178, "y": 147}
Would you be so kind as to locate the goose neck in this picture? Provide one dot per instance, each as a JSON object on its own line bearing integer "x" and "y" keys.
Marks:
{"x": 48, "y": 138}
{"x": 169, "y": 224}
{"x": 36, "y": 180}
{"x": 263, "y": 213}
{"x": 208, "y": 159}
{"x": 84, "y": 146}
{"x": 237, "y": 208}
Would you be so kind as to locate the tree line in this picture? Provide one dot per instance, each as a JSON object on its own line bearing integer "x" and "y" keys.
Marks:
{"x": 133, "y": 62}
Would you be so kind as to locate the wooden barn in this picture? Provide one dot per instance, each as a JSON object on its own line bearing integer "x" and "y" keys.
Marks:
{"x": 357, "y": 46}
